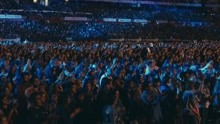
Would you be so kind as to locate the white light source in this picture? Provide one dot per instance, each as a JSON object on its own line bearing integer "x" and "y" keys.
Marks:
{"x": 46, "y": 2}
{"x": 34, "y": 1}
{"x": 66, "y": 0}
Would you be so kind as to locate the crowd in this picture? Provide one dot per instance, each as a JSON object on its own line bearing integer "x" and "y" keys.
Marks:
{"x": 151, "y": 12}
{"x": 110, "y": 82}
{"x": 111, "y": 10}
{"x": 55, "y": 31}
{"x": 40, "y": 23}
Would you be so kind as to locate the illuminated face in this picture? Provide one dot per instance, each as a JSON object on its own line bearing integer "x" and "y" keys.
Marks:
{"x": 153, "y": 63}
{"x": 117, "y": 94}
{"x": 73, "y": 89}
{"x": 5, "y": 101}
{"x": 38, "y": 100}
{"x": 36, "y": 82}
{"x": 88, "y": 87}
{"x": 26, "y": 78}
{"x": 150, "y": 87}
{"x": 43, "y": 98}
{"x": 7, "y": 91}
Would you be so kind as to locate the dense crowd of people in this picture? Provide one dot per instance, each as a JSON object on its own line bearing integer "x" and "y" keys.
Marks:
{"x": 102, "y": 10}
{"x": 151, "y": 12}
{"x": 110, "y": 82}
{"x": 45, "y": 31}
{"x": 40, "y": 23}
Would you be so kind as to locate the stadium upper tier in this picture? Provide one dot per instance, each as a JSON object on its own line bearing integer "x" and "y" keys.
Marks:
{"x": 35, "y": 30}
{"x": 100, "y": 11}
{"x": 92, "y": 20}
{"x": 62, "y": 4}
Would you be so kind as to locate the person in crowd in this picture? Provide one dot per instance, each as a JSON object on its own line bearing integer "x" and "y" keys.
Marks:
{"x": 191, "y": 114}
{"x": 37, "y": 113}
{"x": 109, "y": 82}
{"x": 8, "y": 110}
